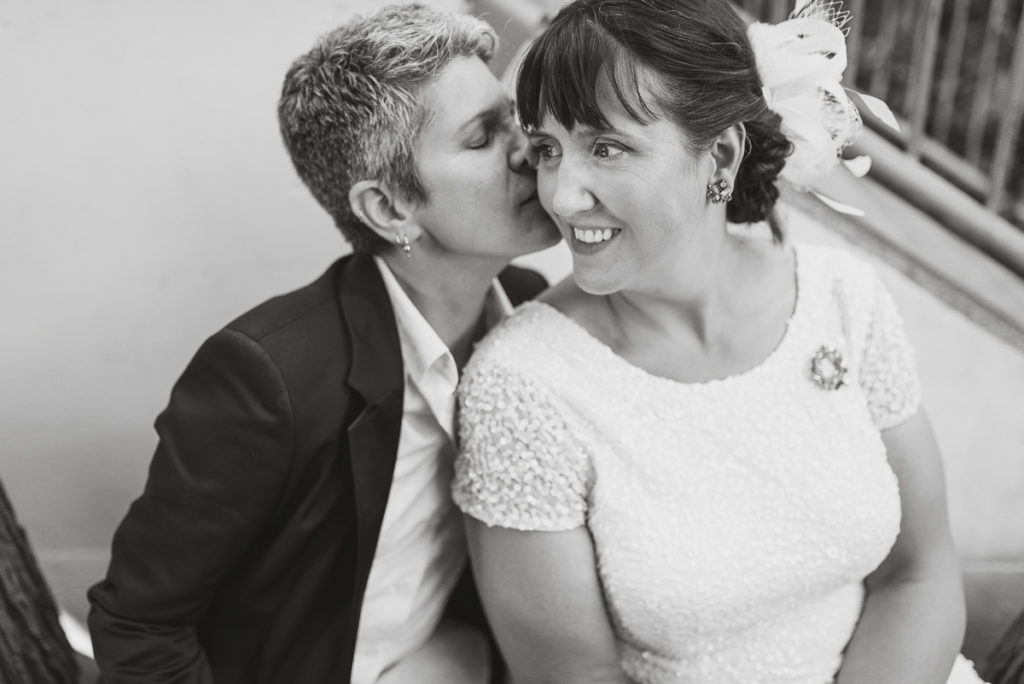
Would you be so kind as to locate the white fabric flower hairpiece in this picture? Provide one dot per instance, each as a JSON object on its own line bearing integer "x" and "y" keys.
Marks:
{"x": 801, "y": 63}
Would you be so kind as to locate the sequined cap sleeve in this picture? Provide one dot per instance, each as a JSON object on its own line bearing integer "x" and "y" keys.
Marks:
{"x": 888, "y": 376}
{"x": 518, "y": 466}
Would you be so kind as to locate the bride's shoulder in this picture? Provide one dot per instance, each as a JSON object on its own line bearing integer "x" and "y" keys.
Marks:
{"x": 836, "y": 262}
{"x": 527, "y": 332}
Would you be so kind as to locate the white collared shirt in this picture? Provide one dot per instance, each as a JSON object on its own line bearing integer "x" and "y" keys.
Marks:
{"x": 421, "y": 550}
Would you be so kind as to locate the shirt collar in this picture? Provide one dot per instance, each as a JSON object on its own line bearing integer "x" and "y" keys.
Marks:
{"x": 422, "y": 348}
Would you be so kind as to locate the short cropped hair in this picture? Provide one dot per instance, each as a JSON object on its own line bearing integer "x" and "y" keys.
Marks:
{"x": 693, "y": 59}
{"x": 350, "y": 108}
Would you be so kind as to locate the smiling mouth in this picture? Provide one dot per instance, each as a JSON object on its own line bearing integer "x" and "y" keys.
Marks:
{"x": 593, "y": 236}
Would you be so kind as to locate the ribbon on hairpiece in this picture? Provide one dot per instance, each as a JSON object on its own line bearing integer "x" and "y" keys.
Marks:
{"x": 801, "y": 63}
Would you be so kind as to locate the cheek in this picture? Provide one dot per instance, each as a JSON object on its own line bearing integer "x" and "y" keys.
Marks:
{"x": 682, "y": 195}
{"x": 487, "y": 183}
{"x": 546, "y": 185}
{"x": 472, "y": 172}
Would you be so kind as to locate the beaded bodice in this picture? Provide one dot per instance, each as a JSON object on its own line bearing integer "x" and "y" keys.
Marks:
{"x": 733, "y": 520}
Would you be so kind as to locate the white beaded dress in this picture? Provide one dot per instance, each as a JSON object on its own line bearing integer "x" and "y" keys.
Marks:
{"x": 733, "y": 520}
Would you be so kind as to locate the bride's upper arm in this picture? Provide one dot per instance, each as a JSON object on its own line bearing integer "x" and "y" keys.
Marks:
{"x": 544, "y": 601}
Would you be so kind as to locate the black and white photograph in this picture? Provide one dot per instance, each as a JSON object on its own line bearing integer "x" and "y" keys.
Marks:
{"x": 512, "y": 342}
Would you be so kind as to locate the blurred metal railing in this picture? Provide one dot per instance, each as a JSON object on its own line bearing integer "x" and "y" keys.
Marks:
{"x": 916, "y": 219}
{"x": 953, "y": 72}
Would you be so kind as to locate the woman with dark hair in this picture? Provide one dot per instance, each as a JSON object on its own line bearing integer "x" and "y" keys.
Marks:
{"x": 702, "y": 458}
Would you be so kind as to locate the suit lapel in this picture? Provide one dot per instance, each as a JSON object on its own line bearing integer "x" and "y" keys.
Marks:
{"x": 373, "y": 444}
{"x": 376, "y": 375}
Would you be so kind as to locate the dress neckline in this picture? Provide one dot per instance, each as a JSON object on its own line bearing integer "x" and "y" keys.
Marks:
{"x": 785, "y": 342}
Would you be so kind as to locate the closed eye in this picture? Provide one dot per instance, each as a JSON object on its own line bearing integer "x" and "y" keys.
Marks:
{"x": 498, "y": 122}
{"x": 481, "y": 141}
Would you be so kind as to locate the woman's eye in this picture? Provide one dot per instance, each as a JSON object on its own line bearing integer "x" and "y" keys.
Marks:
{"x": 545, "y": 151}
{"x": 607, "y": 150}
{"x": 480, "y": 141}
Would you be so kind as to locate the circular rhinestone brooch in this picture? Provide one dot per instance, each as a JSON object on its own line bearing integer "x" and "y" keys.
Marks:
{"x": 827, "y": 369}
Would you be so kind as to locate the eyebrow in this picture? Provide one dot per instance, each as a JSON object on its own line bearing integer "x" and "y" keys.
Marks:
{"x": 489, "y": 115}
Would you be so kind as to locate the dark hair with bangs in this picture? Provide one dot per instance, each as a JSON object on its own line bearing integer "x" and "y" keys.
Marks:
{"x": 567, "y": 89}
{"x": 689, "y": 60}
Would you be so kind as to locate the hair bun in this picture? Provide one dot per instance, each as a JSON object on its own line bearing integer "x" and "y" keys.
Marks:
{"x": 756, "y": 189}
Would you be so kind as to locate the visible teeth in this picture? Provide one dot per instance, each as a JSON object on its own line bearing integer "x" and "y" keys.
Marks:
{"x": 592, "y": 236}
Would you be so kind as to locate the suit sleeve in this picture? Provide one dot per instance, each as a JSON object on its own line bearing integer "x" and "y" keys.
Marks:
{"x": 217, "y": 474}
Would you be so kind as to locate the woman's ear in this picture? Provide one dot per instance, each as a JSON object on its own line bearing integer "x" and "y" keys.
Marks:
{"x": 380, "y": 210}
{"x": 728, "y": 151}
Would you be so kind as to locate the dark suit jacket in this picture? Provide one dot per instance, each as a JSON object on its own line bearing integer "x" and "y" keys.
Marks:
{"x": 246, "y": 557}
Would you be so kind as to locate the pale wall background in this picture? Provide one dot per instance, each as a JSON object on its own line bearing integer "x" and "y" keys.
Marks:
{"x": 145, "y": 200}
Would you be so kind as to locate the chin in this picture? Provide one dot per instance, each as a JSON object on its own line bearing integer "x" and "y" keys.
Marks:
{"x": 595, "y": 283}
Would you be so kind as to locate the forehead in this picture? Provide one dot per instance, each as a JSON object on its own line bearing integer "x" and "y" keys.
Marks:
{"x": 463, "y": 91}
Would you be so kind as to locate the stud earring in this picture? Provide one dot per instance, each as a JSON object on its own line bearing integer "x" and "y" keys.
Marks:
{"x": 719, "y": 191}
{"x": 403, "y": 241}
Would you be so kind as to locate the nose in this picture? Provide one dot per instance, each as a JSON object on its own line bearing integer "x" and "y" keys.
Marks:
{"x": 521, "y": 157}
{"x": 570, "y": 196}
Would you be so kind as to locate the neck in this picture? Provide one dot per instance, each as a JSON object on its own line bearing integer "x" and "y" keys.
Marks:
{"x": 693, "y": 300}
{"x": 449, "y": 293}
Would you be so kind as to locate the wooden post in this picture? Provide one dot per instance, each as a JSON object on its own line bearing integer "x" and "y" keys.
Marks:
{"x": 922, "y": 67}
{"x": 882, "y": 50}
{"x": 1005, "y": 664}
{"x": 1009, "y": 127}
{"x": 950, "y": 79}
{"x": 985, "y": 83}
{"x": 33, "y": 648}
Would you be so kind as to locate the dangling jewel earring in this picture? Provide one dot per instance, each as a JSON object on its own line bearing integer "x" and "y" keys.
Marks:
{"x": 719, "y": 191}
{"x": 403, "y": 241}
